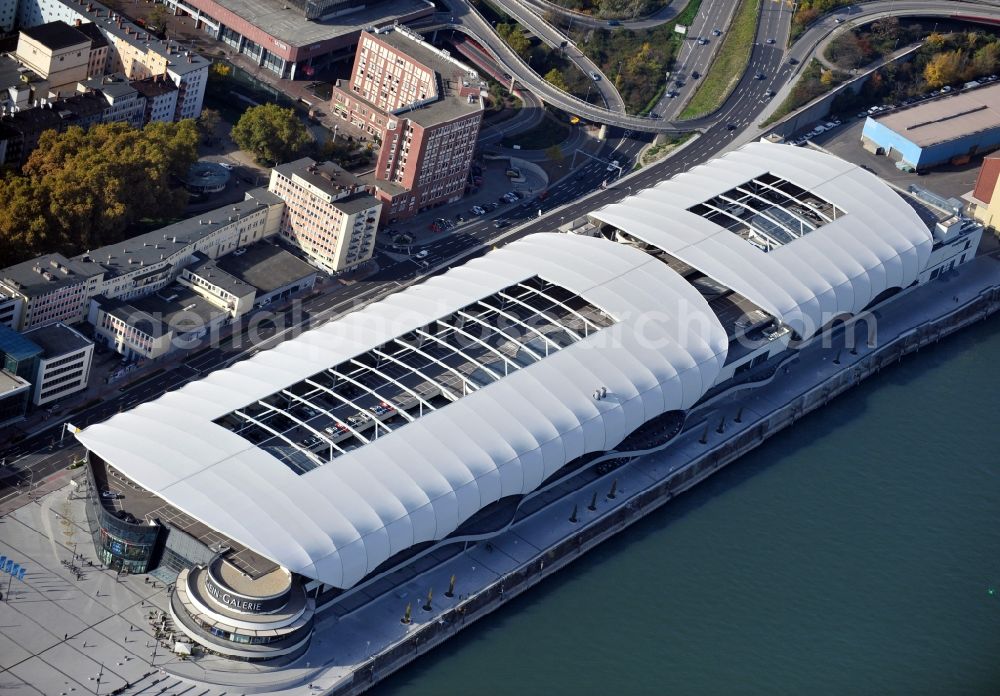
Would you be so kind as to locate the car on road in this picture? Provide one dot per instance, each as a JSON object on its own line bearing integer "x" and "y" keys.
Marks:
{"x": 760, "y": 76}
{"x": 226, "y": 165}
{"x": 490, "y": 207}
{"x": 614, "y": 23}
{"x": 717, "y": 32}
{"x": 770, "y": 41}
{"x": 476, "y": 210}
{"x": 109, "y": 494}
{"x": 614, "y": 165}
{"x": 421, "y": 254}
{"x": 672, "y": 93}
{"x": 500, "y": 223}
{"x": 653, "y": 114}
{"x": 695, "y": 74}
{"x": 793, "y": 61}
{"x": 730, "y": 126}
{"x": 702, "y": 41}
{"x": 594, "y": 76}
{"x": 769, "y": 93}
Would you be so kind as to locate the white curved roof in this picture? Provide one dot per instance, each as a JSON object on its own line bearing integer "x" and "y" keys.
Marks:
{"x": 840, "y": 267}
{"x": 339, "y": 521}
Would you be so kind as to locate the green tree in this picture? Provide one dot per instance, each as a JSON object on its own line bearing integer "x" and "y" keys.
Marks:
{"x": 826, "y": 78}
{"x": 272, "y": 134}
{"x": 555, "y": 78}
{"x": 987, "y": 59}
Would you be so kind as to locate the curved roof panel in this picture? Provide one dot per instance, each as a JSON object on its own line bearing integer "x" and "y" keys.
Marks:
{"x": 339, "y": 521}
{"x": 877, "y": 243}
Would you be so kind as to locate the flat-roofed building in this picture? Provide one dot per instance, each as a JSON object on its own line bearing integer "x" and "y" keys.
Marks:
{"x": 15, "y": 394}
{"x": 131, "y": 49}
{"x": 19, "y": 355}
{"x": 57, "y": 52}
{"x": 423, "y": 108}
{"x": 292, "y": 39}
{"x": 962, "y": 124}
{"x": 150, "y": 327}
{"x": 274, "y": 272}
{"x": 49, "y": 288}
{"x": 64, "y": 367}
{"x": 329, "y": 213}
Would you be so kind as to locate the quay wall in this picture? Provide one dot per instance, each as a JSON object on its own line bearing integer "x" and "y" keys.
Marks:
{"x": 643, "y": 502}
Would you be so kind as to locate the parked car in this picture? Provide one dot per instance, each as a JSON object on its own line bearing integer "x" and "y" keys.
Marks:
{"x": 421, "y": 254}
{"x": 500, "y": 224}
{"x": 594, "y": 76}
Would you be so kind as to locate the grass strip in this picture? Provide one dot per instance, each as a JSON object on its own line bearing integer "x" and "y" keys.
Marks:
{"x": 729, "y": 63}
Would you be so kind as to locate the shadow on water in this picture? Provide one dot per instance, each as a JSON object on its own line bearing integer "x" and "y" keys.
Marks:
{"x": 840, "y": 413}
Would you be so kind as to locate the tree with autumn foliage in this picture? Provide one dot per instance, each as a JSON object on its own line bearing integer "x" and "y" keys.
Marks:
{"x": 86, "y": 188}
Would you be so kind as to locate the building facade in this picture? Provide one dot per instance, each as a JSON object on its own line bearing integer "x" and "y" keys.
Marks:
{"x": 132, "y": 50}
{"x": 56, "y": 52}
{"x": 961, "y": 125}
{"x": 64, "y": 366}
{"x": 294, "y": 38}
{"x": 329, "y": 213}
{"x": 422, "y": 108}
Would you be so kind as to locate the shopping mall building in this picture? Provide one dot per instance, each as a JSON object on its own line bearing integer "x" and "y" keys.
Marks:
{"x": 293, "y": 480}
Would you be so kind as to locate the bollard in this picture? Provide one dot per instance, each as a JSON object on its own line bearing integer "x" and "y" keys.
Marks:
{"x": 739, "y": 416}
{"x": 430, "y": 595}
{"x": 722, "y": 426}
{"x": 572, "y": 518}
{"x": 593, "y": 503}
{"x": 406, "y": 615}
{"x": 704, "y": 437}
{"x": 614, "y": 488}
{"x": 451, "y": 588}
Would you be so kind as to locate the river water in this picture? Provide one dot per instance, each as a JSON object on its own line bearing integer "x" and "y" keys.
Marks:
{"x": 853, "y": 554}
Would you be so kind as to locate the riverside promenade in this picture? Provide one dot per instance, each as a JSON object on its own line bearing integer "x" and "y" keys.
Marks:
{"x": 361, "y": 639}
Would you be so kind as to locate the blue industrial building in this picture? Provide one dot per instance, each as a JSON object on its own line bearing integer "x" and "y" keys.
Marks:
{"x": 964, "y": 124}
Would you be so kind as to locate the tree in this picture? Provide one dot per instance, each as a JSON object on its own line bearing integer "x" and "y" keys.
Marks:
{"x": 271, "y": 133}
{"x": 987, "y": 59}
{"x": 943, "y": 68}
{"x": 519, "y": 42}
{"x": 81, "y": 189}
{"x": 555, "y": 78}
{"x": 157, "y": 20}
{"x": 208, "y": 122}
{"x": 826, "y": 78}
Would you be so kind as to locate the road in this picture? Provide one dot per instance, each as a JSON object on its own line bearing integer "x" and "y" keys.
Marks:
{"x": 469, "y": 21}
{"x": 555, "y": 39}
{"x": 693, "y": 59}
{"x": 664, "y": 14}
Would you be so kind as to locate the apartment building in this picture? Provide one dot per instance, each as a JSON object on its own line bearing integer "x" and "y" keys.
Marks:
{"x": 329, "y": 213}
{"x": 64, "y": 366}
{"x": 132, "y": 50}
{"x": 423, "y": 108}
{"x": 45, "y": 290}
{"x": 56, "y": 52}
{"x": 53, "y": 288}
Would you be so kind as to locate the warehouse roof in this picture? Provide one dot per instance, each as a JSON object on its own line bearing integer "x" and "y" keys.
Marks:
{"x": 948, "y": 118}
